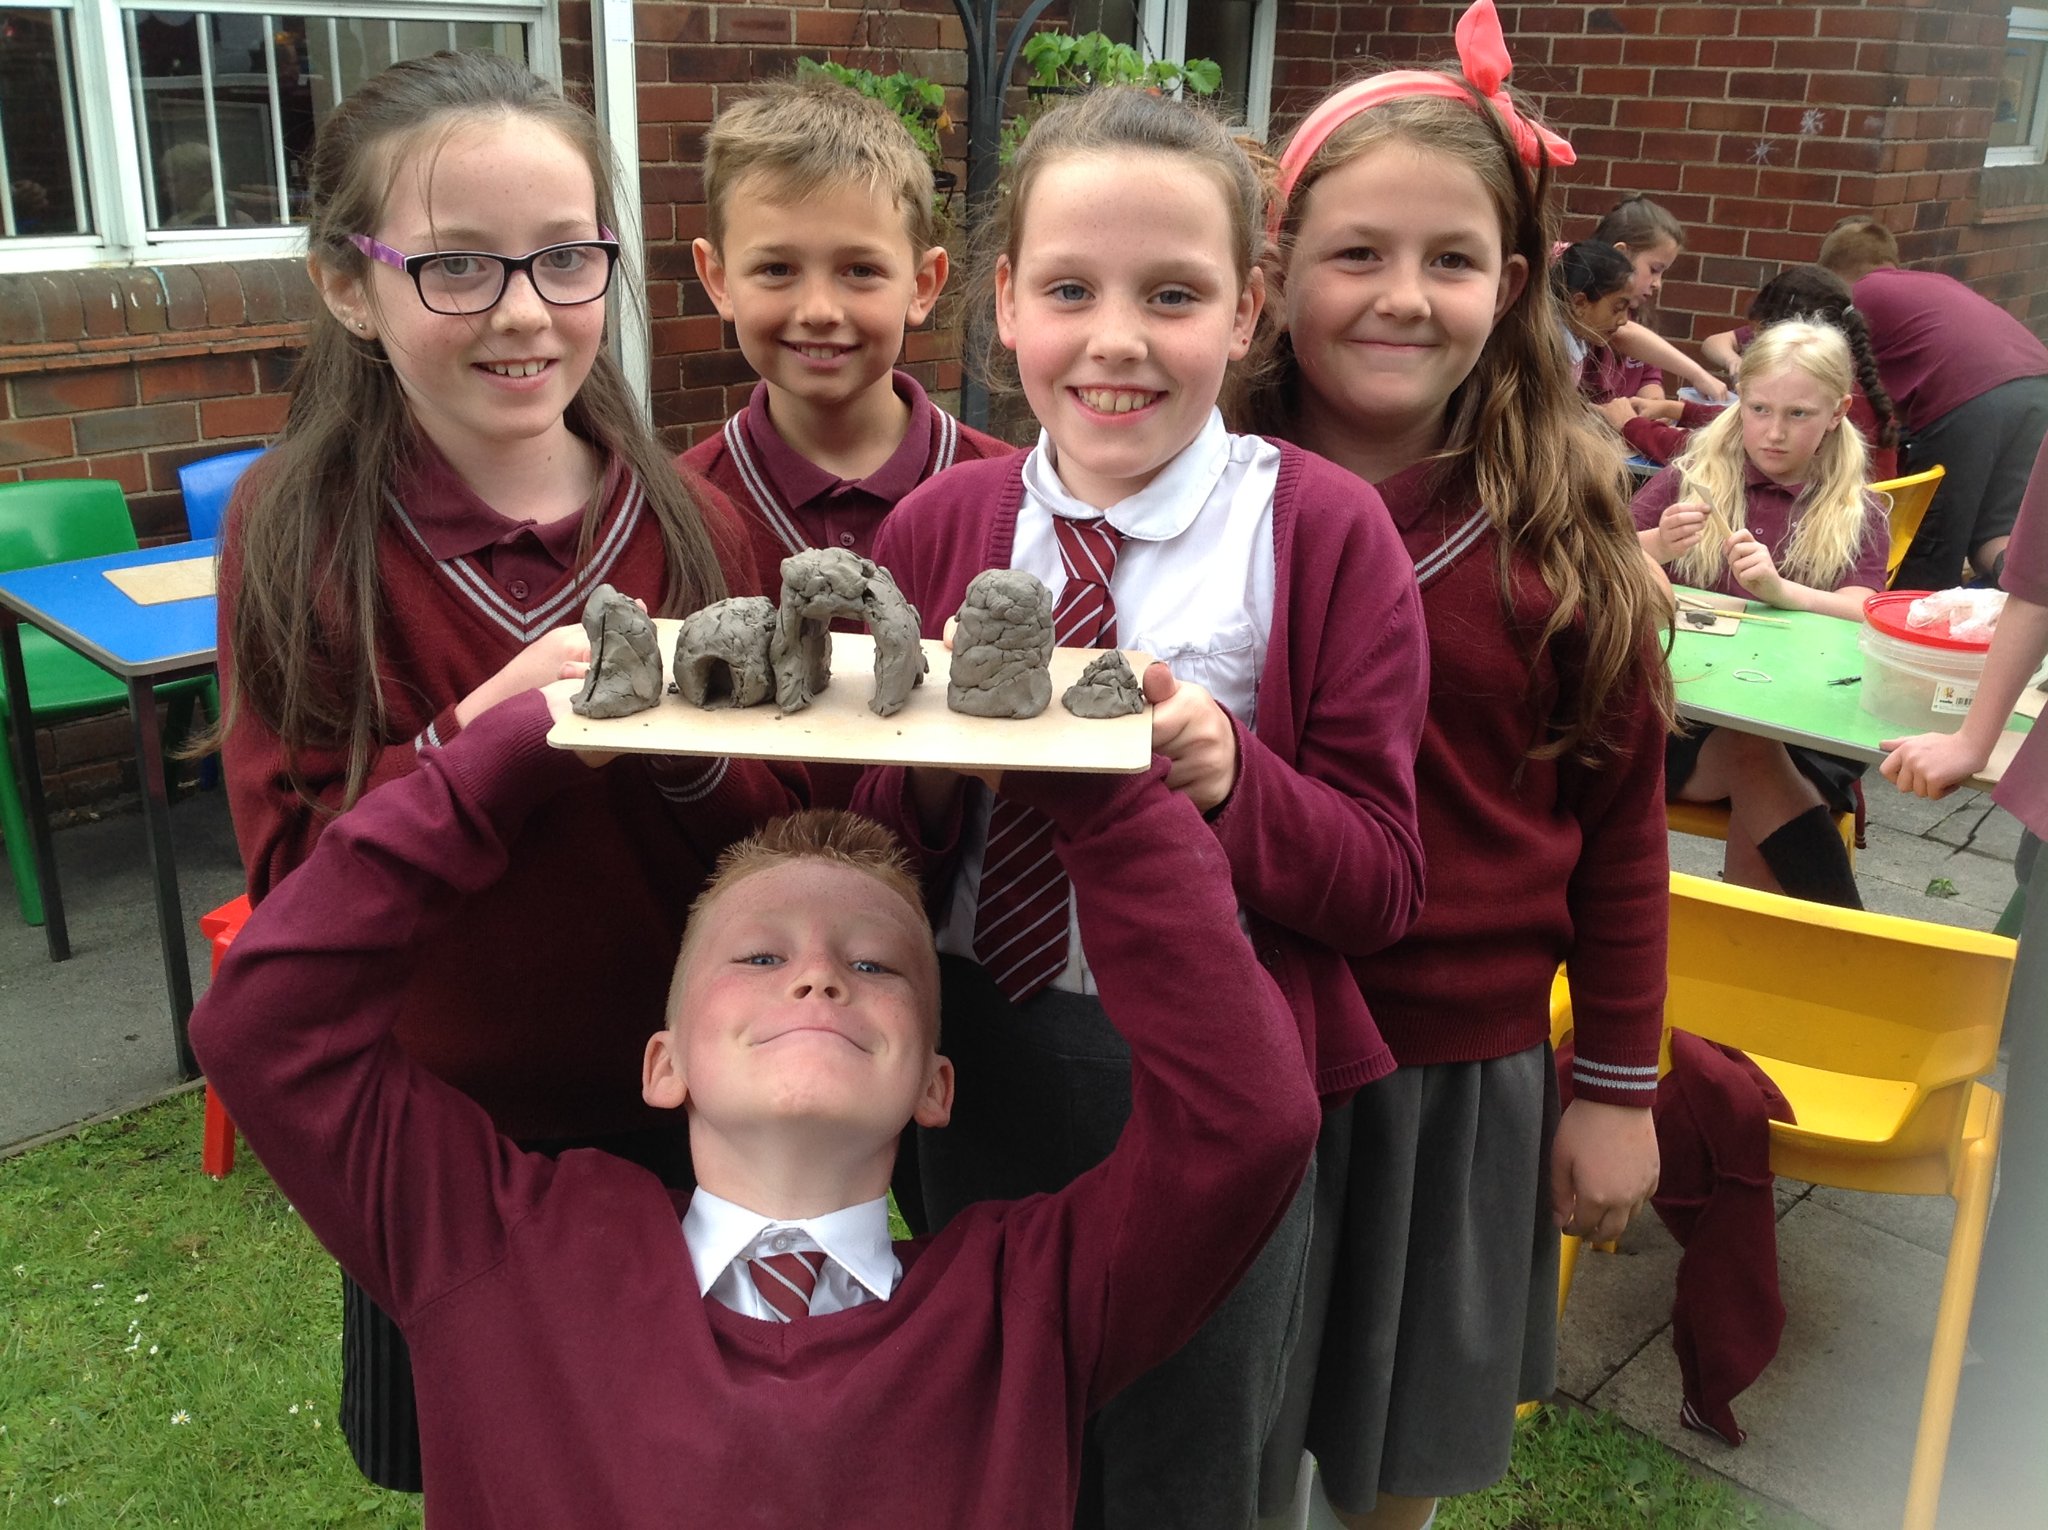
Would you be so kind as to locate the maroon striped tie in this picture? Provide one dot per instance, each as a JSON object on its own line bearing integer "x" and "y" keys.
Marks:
{"x": 1020, "y": 922}
{"x": 786, "y": 1282}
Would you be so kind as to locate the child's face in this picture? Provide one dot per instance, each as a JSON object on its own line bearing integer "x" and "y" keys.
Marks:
{"x": 1601, "y": 317}
{"x": 1396, "y": 280}
{"x": 477, "y": 383}
{"x": 1786, "y": 415}
{"x": 806, "y": 1006}
{"x": 819, "y": 289}
{"x": 1124, "y": 308}
{"x": 1651, "y": 262}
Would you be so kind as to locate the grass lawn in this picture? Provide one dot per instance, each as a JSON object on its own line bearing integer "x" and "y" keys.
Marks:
{"x": 169, "y": 1355}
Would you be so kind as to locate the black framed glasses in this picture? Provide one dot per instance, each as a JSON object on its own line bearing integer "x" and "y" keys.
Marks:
{"x": 472, "y": 281}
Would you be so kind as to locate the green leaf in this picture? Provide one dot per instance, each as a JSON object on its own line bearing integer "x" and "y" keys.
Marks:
{"x": 1204, "y": 76}
{"x": 1941, "y": 887}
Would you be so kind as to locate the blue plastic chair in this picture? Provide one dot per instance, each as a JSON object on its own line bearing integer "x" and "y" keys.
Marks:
{"x": 206, "y": 485}
{"x": 54, "y": 521}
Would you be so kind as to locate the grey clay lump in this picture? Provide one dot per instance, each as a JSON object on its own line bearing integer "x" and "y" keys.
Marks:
{"x": 1002, "y": 647}
{"x": 625, "y": 662}
{"x": 1107, "y": 688}
{"x": 722, "y": 653}
{"x": 828, "y": 582}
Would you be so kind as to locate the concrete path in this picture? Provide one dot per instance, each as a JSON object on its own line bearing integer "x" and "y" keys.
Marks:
{"x": 1830, "y": 1425}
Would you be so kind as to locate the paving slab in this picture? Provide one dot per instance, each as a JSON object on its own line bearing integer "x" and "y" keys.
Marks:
{"x": 1831, "y": 1422}
{"x": 93, "y": 1034}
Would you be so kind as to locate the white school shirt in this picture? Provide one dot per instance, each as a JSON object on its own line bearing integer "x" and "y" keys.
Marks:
{"x": 860, "y": 1261}
{"x": 1193, "y": 586}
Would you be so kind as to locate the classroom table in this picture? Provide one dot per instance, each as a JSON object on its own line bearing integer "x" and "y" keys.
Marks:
{"x": 146, "y": 646}
{"x": 1800, "y": 683}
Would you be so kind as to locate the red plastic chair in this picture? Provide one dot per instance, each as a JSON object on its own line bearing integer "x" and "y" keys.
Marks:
{"x": 217, "y": 1145}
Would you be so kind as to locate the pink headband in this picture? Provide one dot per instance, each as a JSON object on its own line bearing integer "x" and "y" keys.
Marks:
{"x": 1482, "y": 55}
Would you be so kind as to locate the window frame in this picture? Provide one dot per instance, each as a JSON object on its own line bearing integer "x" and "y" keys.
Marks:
{"x": 1163, "y": 26}
{"x": 110, "y": 150}
{"x": 2027, "y": 24}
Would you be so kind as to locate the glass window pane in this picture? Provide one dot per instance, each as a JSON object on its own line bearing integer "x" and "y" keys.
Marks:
{"x": 1222, "y": 30}
{"x": 1115, "y": 19}
{"x": 2019, "y": 93}
{"x": 42, "y": 163}
{"x": 227, "y": 105}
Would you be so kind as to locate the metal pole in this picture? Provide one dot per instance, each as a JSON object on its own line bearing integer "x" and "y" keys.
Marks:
{"x": 988, "y": 75}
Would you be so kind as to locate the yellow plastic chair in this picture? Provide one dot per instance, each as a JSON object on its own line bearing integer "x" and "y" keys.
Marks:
{"x": 1878, "y": 1030}
{"x": 1909, "y": 498}
{"x": 1709, "y": 820}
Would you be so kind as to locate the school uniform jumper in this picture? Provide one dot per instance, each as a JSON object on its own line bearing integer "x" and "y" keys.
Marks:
{"x": 1971, "y": 385}
{"x": 1433, "y": 1266}
{"x": 570, "y": 1372}
{"x": 611, "y": 864}
{"x": 788, "y": 503}
{"x": 1768, "y": 515}
{"x": 1320, "y": 834}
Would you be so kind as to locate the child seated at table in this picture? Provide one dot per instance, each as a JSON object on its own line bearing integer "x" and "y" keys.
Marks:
{"x": 1595, "y": 284}
{"x": 1813, "y": 292}
{"x": 590, "y": 1349}
{"x": 1769, "y": 503}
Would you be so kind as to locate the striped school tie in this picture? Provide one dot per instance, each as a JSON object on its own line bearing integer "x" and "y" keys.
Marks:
{"x": 1020, "y": 923}
{"x": 786, "y": 1282}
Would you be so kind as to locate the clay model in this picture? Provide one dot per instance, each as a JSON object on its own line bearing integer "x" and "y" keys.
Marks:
{"x": 1107, "y": 688}
{"x": 722, "y": 653}
{"x": 1002, "y": 649}
{"x": 828, "y": 582}
{"x": 625, "y": 662}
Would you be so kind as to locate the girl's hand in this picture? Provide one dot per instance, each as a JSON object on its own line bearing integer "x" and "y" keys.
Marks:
{"x": 1617, "y": 411}
{"x": 1679, "y": 529}
{"x": 1195, "y": 735}
{"x": 1751, "y": 564}
{"x": 1710, "y": 387}
{"x": 563, "y": 654}
{"x": 1658, "y": 408}
{"x": 1932, "y": 764}
{"x": 1603, "y": 1166}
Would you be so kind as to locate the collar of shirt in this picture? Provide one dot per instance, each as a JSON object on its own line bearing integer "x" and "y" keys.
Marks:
{"x": 800, "y": 481}
{"x": 455, "y": 523}
{"x": 1160, "y": 511}
{"x": 1755, "y": 478}
{"x": 856, "y": 1238}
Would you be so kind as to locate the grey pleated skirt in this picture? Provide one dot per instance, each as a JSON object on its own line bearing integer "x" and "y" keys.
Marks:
{"x": 1432, "y": 1285}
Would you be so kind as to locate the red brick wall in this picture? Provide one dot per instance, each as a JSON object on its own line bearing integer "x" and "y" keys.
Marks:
{"x": 1758, "y": 125}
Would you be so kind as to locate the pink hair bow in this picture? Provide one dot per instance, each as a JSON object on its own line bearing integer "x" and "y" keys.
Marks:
{"x": 1482, "y": 56}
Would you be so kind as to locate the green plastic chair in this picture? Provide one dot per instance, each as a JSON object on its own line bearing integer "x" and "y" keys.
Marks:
{"x": 55, "y": 521}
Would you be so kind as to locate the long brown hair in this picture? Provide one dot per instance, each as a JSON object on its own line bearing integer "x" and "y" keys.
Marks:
{"x": 1515, "y": 430}
{"x": 1815, "y": 292}
{"x": 303, "y": 628}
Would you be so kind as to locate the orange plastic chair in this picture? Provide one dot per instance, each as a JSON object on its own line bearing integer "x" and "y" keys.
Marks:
{"x": 1909, "y": 498}
{"x": 217, "y": 1142}
{"x": 1878, "y": 1030}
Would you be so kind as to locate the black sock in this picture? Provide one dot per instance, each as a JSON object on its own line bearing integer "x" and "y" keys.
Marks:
{"x": 1810, "y": 861}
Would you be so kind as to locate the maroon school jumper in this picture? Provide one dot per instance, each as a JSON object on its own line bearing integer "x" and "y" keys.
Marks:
{"x": 608, "y": 865}
{"x": 1767, "y": 516}
{"x": 570, "y": 1374}
{"x": 1532, "y": 862}
{"x": 1938, "y": 344}
{"x": 789, "y": 503}
{"x": 1320, "y": 828}
{"x": 1607, "y": 374}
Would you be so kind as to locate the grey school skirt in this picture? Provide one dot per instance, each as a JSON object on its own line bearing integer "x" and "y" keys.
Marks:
{"x": 1431, "y": 1307}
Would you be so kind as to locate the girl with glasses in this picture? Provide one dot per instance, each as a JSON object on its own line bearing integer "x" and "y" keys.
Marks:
{"x": 461, "y": 466}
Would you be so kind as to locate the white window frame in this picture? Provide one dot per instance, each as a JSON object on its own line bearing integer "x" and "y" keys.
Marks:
{"x": 1163, "y": 27}
{"x": 112, "y": 156}
{"x": 2025, "y": 24}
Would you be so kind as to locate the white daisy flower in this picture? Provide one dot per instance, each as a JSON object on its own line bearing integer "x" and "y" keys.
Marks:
{"x": 181, "y": 1417}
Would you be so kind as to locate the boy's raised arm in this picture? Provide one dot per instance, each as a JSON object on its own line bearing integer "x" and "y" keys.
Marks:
{"x": 1223, "y": 1115}
{"x": 402, "y": 1177}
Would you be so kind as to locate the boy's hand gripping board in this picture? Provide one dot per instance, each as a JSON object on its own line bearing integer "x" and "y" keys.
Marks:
{"x": 837, "y": 727}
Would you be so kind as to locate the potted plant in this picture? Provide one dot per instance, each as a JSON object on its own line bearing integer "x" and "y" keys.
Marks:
{"x": 919, "y": 103}
{"x": 1067, "y": 64}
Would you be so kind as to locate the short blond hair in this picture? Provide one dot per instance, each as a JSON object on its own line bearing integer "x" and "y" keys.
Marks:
{"x": 810, "y": 133}
{"x": 815, "y": 834}
{"x": 1857, "y": 246}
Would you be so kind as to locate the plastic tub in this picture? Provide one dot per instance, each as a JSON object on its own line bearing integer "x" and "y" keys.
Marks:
{"x": 1919, "y": 679}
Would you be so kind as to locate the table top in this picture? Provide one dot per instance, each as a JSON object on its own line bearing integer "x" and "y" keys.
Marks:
{"x": 1813, "y": 695}
{"x": 79, "y": 606}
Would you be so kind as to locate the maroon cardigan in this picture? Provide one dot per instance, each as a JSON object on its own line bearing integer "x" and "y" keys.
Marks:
{"x": 1320, "y": 828}
{"x": 569, "y": 1373}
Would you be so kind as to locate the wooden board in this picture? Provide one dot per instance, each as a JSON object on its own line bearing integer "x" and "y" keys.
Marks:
{"x": 157, "y": 584}
{"x": 838, "y": 728}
